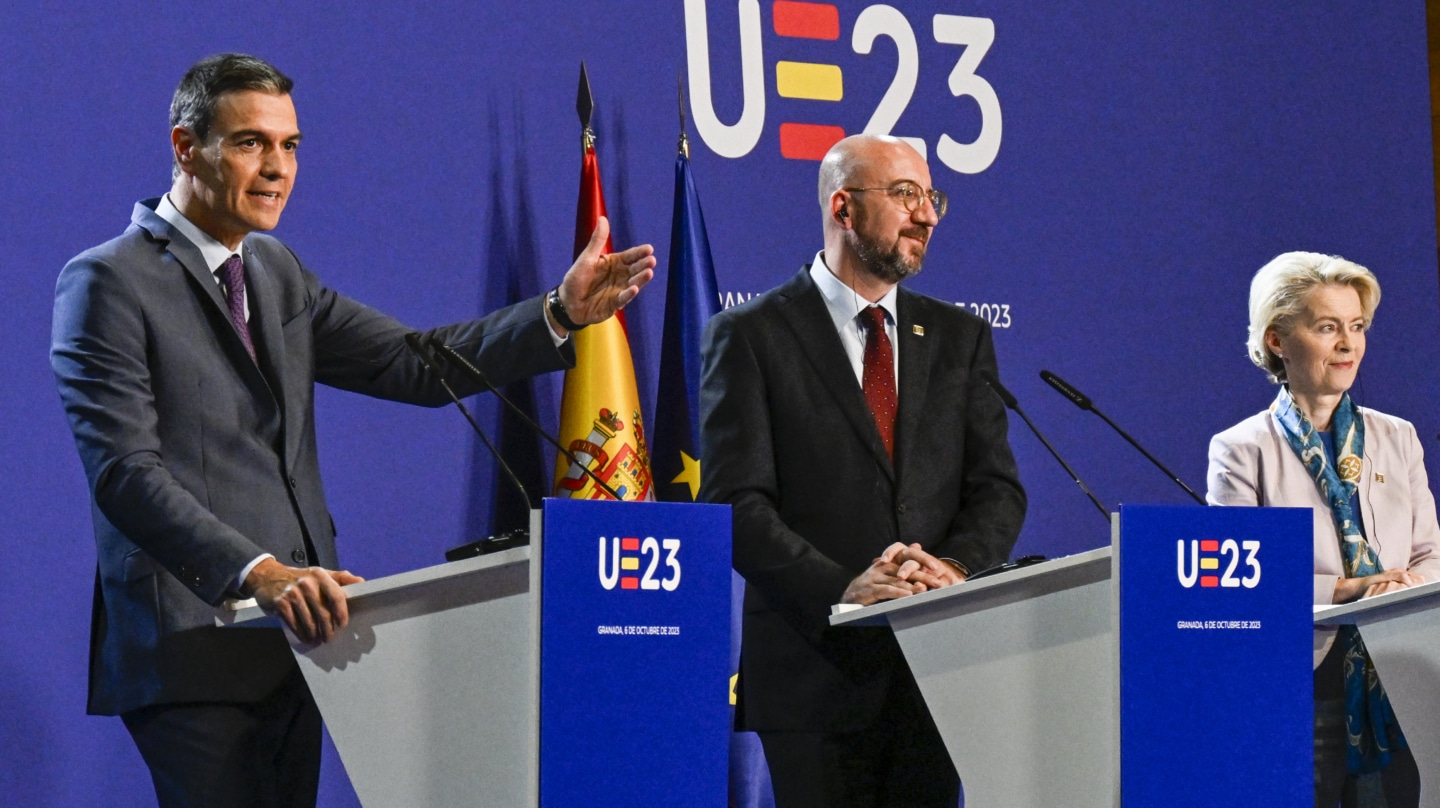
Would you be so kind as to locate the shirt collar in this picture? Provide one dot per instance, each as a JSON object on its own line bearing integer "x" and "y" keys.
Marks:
{"x": 214, "y": 253}
{"x": 842, "y": 301}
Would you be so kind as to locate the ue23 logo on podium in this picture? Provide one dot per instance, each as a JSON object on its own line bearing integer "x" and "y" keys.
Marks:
{"x": 1206, "y": 555}
{"x": 621, "y": 564}
{"x": 825, "y": 82}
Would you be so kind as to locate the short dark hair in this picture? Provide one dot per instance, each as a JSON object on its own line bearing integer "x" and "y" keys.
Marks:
{"x": 193, "y": 106}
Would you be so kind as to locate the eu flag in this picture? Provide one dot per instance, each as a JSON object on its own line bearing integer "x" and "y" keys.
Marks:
{"x": 691, "y": 297}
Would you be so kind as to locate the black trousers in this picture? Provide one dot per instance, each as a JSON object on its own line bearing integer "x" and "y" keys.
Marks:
{"x": 261, "y": 755}
{"x": 1395, "y": 786}
{"x": 900, "y": 761}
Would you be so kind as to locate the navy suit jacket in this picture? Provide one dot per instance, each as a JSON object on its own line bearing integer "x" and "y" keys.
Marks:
{"x": 200, "y": 459}
{"x": 788, "y": 440}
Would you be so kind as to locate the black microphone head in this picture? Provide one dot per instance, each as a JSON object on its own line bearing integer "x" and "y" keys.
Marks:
{"x": 1076, "y": 397}
{"x": 1005, "y": 395}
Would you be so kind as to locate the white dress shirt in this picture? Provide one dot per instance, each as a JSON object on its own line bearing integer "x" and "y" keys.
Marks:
{"x": 845, "y": 306}
{"x": 214, "y": 253}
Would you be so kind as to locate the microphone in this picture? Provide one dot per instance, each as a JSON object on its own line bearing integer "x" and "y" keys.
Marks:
{"x": 478, "y": 376}
{"x": 1083, "y": 401}
{"x": 431, "y": 365}
{"x": 1009, "y": 400}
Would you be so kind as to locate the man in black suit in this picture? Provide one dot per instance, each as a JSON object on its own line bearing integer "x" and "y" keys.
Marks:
{"x": 850, "y": 488}
{"x": 186, "y": 352}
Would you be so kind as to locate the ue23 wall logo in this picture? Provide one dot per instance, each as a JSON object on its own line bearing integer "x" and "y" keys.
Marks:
{"x": 813, "y": 81}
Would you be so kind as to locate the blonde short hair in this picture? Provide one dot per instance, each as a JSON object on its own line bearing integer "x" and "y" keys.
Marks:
{"x": 1278, "y": 292}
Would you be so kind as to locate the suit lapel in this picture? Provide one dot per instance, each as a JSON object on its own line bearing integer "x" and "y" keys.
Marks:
{"x": 916, "y": 356}
{"x": 268, "y": 335}
{"x": 189, "y": 257}
{"x": 1365, "y": 490}
{"x": 810, "y": 322}
{"x": 194, "y": 263}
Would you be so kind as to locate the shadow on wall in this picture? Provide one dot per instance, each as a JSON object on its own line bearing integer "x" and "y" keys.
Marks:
{"x": 493, "y": 505}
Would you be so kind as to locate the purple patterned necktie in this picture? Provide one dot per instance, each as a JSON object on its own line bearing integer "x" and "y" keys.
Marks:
{"x": 233, "y": 274}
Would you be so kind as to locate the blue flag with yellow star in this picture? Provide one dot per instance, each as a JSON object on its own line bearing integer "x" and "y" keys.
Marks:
{"x": 691, "y": 297}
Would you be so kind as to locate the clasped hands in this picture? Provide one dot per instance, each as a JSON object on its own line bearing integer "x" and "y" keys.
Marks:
{"x": 903, "y": 569}
{"x": 598, "y": 285}
{"x": 1348, "y": 589}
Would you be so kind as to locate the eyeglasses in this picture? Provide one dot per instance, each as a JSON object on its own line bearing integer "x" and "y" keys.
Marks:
{"x": 910, "y": 195}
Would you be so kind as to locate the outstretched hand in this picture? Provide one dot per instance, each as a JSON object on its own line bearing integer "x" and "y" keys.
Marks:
{"x": 598, "y": 285}
{"x": 309, "y": 601}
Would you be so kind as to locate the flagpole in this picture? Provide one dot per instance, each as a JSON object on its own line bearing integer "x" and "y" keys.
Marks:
{"x": 600, "y": 419}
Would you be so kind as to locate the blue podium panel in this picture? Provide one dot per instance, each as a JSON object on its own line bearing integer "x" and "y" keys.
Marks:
{"x": 1215, "y": 656}
{"x": 635, "y": 646}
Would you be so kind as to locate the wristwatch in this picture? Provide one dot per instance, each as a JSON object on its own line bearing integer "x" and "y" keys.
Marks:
{"x": 557, "y": 310}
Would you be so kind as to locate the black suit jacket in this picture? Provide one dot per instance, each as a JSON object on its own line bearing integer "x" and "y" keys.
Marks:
{"x": 200, "y": 459}
{"x": 788, "y": 441}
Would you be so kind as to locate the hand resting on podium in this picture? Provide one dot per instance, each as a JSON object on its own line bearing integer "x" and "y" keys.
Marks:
{"x": 1348, "y": 589}
{"x": 309, "y": 601}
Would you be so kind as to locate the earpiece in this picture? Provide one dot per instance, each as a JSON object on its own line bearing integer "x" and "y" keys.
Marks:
{"x": 843, "y": 214}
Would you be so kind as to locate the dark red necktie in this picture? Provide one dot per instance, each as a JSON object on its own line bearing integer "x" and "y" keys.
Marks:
{"x": 233, "y": 274}
{"x": 878, "y": 378}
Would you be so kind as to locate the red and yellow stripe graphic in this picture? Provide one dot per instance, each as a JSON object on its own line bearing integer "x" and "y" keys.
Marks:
{"x": 808, "y": 81}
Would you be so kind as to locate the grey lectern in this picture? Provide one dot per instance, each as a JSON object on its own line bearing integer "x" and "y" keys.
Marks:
{"x": 1402, "y": 632}
{"x": 431, "y": 695}
{"x": 1020, "y": 672}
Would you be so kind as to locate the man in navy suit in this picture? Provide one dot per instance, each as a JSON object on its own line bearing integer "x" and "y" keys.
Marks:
{"x": 848, "y": 423}
{"x": 186, "y": 352}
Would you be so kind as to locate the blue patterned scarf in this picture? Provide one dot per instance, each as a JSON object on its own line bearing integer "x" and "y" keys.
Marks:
{"x": 1371, "y": 729}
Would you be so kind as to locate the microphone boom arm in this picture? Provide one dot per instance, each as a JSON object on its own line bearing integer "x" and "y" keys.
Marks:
{"x": 1010, "y": 401}
{"x": 413, "y": 340}
{"x": 1083, "y": 401}
{"x": 478, "y": 376}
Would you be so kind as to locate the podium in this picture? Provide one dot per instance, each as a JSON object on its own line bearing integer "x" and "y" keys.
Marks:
{"x": 1073, "y": 681}
{"x": 1402, "y": 632}
{"x": 533, "y": 675}
{"x": 1019, "y": 673}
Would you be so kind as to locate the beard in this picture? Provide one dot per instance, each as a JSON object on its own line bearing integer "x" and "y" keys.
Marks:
{"x": 887, "y": 265}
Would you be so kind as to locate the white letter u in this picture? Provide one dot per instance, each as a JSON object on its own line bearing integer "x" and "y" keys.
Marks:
{"x": 1187, "y": 581}
{"x": 739, "y": 138}
{"x": 608, "y": 581}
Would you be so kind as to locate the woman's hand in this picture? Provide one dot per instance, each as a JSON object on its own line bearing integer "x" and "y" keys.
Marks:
{"x": 1348, "y": 589}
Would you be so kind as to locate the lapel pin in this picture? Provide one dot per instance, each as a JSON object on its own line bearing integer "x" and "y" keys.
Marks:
{"x": 1379, "y": 478}
{"x": 918, "y": 330}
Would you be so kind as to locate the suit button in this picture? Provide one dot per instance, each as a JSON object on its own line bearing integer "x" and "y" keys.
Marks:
{"x": 292, "y": 481}
{"x": 900, "y": 509}
{"x": 298, "y": 556}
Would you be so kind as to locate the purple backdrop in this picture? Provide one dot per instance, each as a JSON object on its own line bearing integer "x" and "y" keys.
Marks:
{"x": 1151, "y": 157}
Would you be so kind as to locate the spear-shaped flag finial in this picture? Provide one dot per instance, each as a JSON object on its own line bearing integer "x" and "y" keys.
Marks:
{"x": 684, "y": 139}
{"x": 585, "y": 106}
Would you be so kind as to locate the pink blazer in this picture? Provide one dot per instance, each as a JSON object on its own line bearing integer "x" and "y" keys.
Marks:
{"x": 1252, "y": 464}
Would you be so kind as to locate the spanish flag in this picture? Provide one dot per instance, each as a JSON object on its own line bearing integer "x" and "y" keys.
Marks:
{"x": 600, "y": 420}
